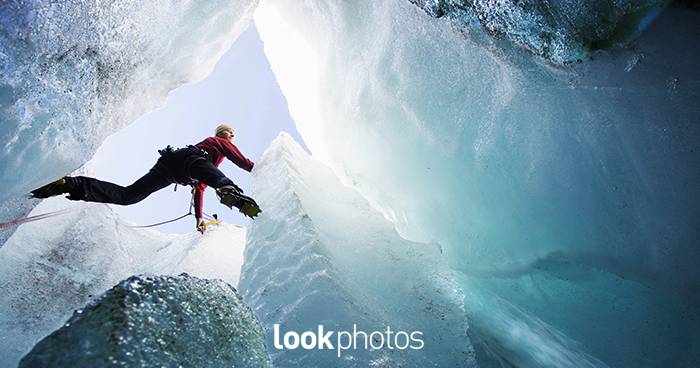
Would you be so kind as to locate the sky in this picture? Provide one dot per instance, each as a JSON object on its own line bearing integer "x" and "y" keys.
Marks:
{"x": 242, "y": 92}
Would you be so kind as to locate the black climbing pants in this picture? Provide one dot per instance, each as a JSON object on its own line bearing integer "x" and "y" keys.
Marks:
{"x": 184, "y": 166}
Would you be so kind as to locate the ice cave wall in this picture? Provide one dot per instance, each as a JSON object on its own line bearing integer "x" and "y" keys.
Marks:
{"x": 595, "y": 158}
{"x": 563, "y": 196}
{"x": 558, "y": 31}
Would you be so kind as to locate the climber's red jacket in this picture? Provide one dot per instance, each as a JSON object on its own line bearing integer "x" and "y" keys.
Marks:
{"x": 217, "y": 148}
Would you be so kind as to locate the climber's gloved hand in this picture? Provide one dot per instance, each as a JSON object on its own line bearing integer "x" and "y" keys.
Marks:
{"x": 201, "y": 225}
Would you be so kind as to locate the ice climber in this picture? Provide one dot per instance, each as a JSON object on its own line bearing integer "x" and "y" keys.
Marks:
{"x": 193, "y": 165}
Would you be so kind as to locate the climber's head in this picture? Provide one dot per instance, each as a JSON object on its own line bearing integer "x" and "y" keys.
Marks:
{"x": 224, "y": 131}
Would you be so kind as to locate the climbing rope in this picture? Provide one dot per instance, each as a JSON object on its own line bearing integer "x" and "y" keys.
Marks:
{"x": 24, "y": 220}
{"x": 161, "y": 223}
{"x": 212, "y": 219}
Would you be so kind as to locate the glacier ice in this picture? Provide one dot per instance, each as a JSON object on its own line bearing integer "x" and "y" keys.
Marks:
{"x": 73, "y": 72}
{"x": 319, "y": 254}
{"x": 51, "y": 267}
{"x": 564, "y": 197}
{"x": 157, "y": 321}
{"x": 559, "y": 31}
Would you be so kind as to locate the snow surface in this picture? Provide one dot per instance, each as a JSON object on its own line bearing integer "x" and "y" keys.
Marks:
{"x": 319, "y": 254}
{"x": 564, "y": 197}
{"x": 51, "y": 267}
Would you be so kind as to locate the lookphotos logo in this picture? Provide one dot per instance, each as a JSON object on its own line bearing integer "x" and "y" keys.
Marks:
{"x": 340, "y": 341}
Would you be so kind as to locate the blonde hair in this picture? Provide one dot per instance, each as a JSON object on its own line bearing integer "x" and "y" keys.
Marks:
{"x": 222, "y": 128}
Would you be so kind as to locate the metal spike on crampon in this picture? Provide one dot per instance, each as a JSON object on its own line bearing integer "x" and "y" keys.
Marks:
{"x": 230, "y": 197}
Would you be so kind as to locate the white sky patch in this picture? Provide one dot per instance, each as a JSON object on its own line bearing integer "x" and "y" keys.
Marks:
{"x": 305, "y": 64}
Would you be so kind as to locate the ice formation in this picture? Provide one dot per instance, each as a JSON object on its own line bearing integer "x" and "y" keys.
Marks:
{"x": 564, "y": 197}
{"x": 157, "y": 321}
{"x": 319, "y": 254}
{"x": 558, "y": 31}
{"x": 52, "y": 267}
